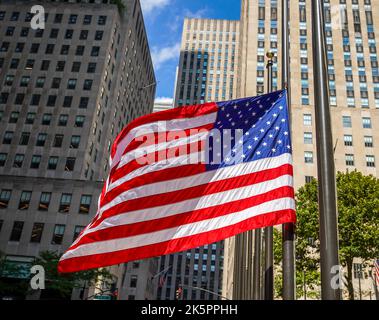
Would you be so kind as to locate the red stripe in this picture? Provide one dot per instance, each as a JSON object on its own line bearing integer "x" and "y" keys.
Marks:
{"x": 192, "y": 192}
{"x": 133, "y": 229}
{"x": 176, "y": 113}
{"x": 176, "y": 245}
{"x": 156, "y": 156}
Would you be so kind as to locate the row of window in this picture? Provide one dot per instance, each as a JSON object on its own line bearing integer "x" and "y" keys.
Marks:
{"x": 36, "y": 162}
{"x": 44, "y": 201}
{"x": 37, "y": 231}
{"x": 348, "y": 140}
{"x": 69, "y": 33}
{"x": 24, "y": 82}
{"x": 60, "y": 66}
{"x": 349, "y": 159}
{"x": 36, "y": 98}
{"x": 58, "y": 18}
{"x": 46, "y": 119}
{"x": 346, "y": 121}
{"x": 50, "y": 47}
{"x": 41, "y": 139}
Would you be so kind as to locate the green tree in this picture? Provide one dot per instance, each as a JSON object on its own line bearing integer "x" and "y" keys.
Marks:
{"x": 60, "y": 286}
{"x": 358, "y": 219}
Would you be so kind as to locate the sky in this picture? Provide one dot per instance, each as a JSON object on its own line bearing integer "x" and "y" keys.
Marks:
{"x": 164, "y": 24}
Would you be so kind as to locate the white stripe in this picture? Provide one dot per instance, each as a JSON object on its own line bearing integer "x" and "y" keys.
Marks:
{"x": 192, "y": 158}
{"x": 190, "y": 229}
{"x": 161, "y": 126}
{"x": 141, "y": 151}
{"x": 199, "y": 179}
{"x": 207, "y": 201}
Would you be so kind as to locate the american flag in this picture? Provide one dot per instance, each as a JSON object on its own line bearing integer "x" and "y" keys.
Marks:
{"x": 162, "y": 279}
{"x": 191, "y": 176}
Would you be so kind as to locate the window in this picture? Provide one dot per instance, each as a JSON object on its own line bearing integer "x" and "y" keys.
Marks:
{"x": 63, "y": 118}
{"x": 69, "y": 33}
{"x": 58, "y": 234}
{"x": 5, "y": 196}
{"x": 4, "y": 98}
{"x": 15, "y": 15}
{"x": 79, "y": 121}
{"x": 54, "y": 33}
{"x": 24, "y": 200}
{"x": 95, "y": 51}
{"x": 58, "y": 18}
{"x": 36, "y": 160}
{"x": 87, "y": 84}
{"x": 70, "y": 164}
{"x": 9, "y": 80}
{"x": 30, "y": 116}
{"x": 87, "y": 19}
{"x": 60, "y": 66}
{"x": 41, "y": 139}
{"x": 56, "y": 83}
{"x": 308, "y": 138}
{"x": 51, "y": 99}
{"x": 370, "y": 161}
{"x": 3, "y": 159}
{"x": 9, "y": 31}
{"x": 83, "y": 35}
{"x": 36, "y": 232}
{"x": 18, "y": 160}
{"x": 308, "y": 157}
{"x": 24, "y": 81}
{"x": 64, "y": 205}
{"x": 52, "y": 163}
{"x": 348, "y": 140}
{"x": 46, "y": 119}
{"x": 24, "y": 139}
{"x": 369, "y": 142}
{"x": 71, "y": 84}
{"x": 358, "y": 270}
{"x": 79, "y": 50}
{"x": 19, "y": 98}
{"x": 308, "y": 179}
{"x": 366, "y": 122}
{"x": 16, "y": 231}
{"x": 133, "y": 281}
{"x": 44, "y": 201}
{"x": 85, "y": 203}
{"x": 64, "y": 49}
{"x": 77, "y": 231}
{"x": 58, "y": 140}
{"x": 102, "y": 20}
{"x": 40, "y": 82}
{"x": 67, "y": 101}
{"x": 13, "y": 118}
{"x": 8, "y": 136}
{"x": 75, "y": 67}
{"x": 349, "y": 159}
{"x": 72, "y": 19}
{"x": 45, "y": 65}
{"x": 99, "y": 35}
{"x": 91, "y": 67}
{"x": 14, "y": 63}
{"x": 83, "y": 102}
{"x": 49, "y": 48}
{"x": 19, "y": 47}
{"x": 346, "y": 121}
{"x": 75, "y": 142}
{"x": 29, "y": 64}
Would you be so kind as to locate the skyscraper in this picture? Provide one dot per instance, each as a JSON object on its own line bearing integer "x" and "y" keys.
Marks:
{"x": 207, "y": 72}
{"x": 351, "y": 36}
{"x": 66, "y": 91}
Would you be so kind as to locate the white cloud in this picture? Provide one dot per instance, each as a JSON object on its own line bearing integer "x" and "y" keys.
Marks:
{"x": 149, "y": 5}
{"x": 162, "y": 55}
{"x": 164, "y": 100}
{"x": 201, "y": 13}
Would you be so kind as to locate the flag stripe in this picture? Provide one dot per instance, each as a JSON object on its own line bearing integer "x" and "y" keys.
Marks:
{"x": 175, "y": 245}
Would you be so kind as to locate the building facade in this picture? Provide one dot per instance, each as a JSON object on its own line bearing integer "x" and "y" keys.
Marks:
{"x": 66, "y": 91}
{"x": 207, "y": 72}
{"x": 352, "y": 37}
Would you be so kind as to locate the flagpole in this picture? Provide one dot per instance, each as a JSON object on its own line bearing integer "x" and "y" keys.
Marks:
{"x": 325, "y": 160}
{"x": 269, "y": 235}
{"x": 288, "y": 229}
{"x": 257, "y": 265}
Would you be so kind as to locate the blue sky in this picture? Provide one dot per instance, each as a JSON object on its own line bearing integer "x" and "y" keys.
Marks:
{"x": 164, "y": 23}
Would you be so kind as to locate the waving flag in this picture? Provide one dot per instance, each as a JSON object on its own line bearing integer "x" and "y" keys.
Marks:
{"x": 191, "y": 176}
{"x": 376, "y": 272}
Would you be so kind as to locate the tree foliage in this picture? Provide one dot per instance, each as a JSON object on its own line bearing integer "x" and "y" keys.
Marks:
{"x": 358, "y": 219}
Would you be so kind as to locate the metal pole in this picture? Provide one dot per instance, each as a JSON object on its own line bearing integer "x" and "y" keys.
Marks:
{"x": 257, "y": 264}
{"x": 305, "y": 286}
{"x": 325, "y": 160}
{"x": 269, "y": 233}
{"x": 288, "y": 230}
{"x": 359, "y": 283}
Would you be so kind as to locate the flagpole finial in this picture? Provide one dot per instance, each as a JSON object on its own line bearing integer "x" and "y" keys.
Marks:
{"x": 270, "y": 55}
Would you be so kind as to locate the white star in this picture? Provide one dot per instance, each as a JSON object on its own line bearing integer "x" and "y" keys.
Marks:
{"x": 210, "y": 148}
{"x": 217, "y": 140}
{"x": 279, "y": 141}
{"x": 264, "y": 144}
{"x": 228, "y": 115}
{"x": 270, "y": 135}
{"x": 243, "y": 156}
{"x": 277, "y": 128}
{"x": 219, "y": 122}
{"x": 268, "y": 123}
{"x": 240, "y": 142}
{"x": 262, "y": 130}
{"x": 254, "y": 114}
{"x": 258, "y": 153}
{"x": 227, "y": 159}
{"x": 274, "y": 115}
{"x": 249, "y": 147}
{"x": 260, "y": 106}
{"x": 273, "y": 150}
{"x": 235, "y": 107}
{"x": 225, "y": 146}
{"x": 233, "y": 124}
{"x": 247, "y": 104}
{"x": 234, "y": 150}
{"x": 223, "y": 108}
{"x": 283, "y": 120}
{"x": 240, "y": 116}
{"x": 286, "y": 133}
{"x": 281, "y": 107}
{"x": 247, "y": 121}
{"x": 256, "y": 139}
{"x": 288, "y": 147}
{"x": 247, "y": 133}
